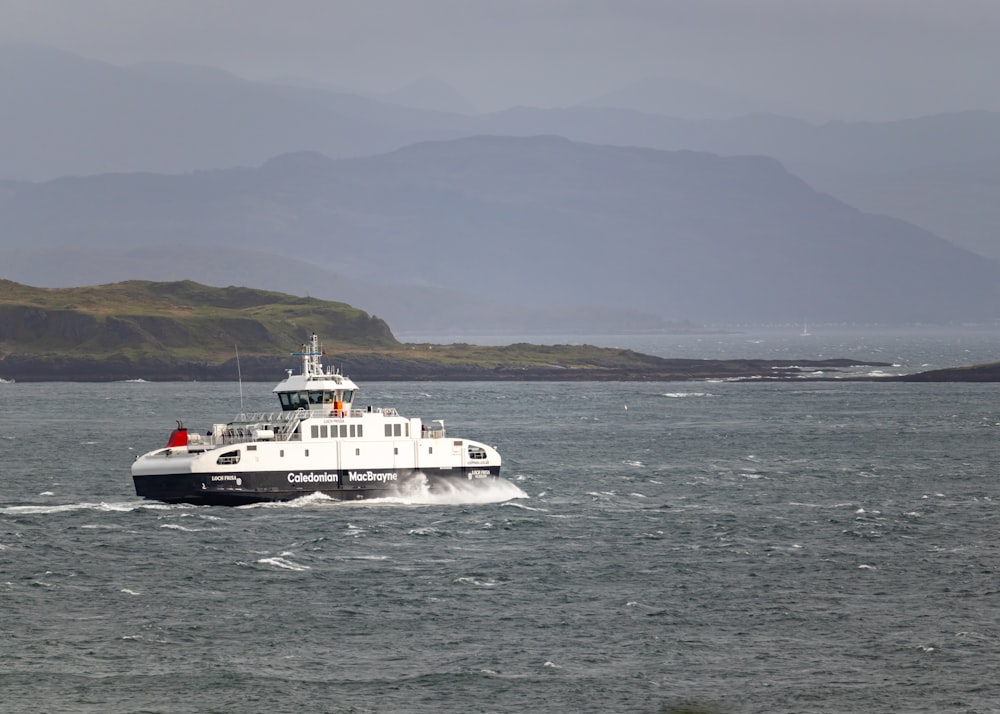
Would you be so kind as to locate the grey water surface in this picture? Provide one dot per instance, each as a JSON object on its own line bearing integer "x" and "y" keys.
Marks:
{"x": 738, "y": 547}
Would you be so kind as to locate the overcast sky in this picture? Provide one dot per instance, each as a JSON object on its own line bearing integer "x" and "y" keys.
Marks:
{"x": 852, "y": 59}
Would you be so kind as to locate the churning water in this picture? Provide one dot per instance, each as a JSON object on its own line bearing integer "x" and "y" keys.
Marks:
{"x": 732, "y": 547}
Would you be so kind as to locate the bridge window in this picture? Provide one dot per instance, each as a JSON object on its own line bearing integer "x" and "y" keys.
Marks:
{"x": 290, "y": 401}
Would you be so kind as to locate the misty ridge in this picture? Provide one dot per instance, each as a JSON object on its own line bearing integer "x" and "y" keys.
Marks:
{"x": 591, "y": 218}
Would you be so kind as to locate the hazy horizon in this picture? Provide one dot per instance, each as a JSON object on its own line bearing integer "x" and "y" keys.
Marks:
{"x": 842, "y": 59}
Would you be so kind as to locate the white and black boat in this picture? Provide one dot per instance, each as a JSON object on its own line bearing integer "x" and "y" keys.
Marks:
{"x": 320, "y": 441}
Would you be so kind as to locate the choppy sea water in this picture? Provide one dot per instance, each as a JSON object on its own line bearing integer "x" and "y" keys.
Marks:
{"x": 738, "y": 547}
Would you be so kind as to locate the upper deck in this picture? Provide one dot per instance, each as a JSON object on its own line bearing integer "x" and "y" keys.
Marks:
{"x": 316, "y": 389}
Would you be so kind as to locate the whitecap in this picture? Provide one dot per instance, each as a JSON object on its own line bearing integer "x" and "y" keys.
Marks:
{"x": 362, "y": 557}
{"x": 312, "y": 498}
{"x": 283, "y": 563}
{"x": 477, "y": 582}
{"x": 423, "y": 531}
{"x": 129, "y": 592}
{"x": 176, "y": 527}
{"x": 101, "y": 507}
{"x": 523, "y": 507}
{"x": 865, "y": 566}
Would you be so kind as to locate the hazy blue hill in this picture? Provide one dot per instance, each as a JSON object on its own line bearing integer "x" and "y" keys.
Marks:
{"x": 538, "y": 222}
{"x": 66, "y": 115}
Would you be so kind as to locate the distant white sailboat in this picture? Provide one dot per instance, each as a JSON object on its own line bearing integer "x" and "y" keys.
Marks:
{"x": 805, "y": 329}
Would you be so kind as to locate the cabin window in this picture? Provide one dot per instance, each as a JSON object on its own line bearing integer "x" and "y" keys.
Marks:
{"x": 314, "y": 431}
{"x": 477, "y": 453}
{"x": 343, "y": 431}
{"x": 395, "y": 452}
{"x": 229, "y": 458}
{"x": 430, "y": 450}
{"x": 323, "y": 431}
{"x": 361, "y": 429}
{"x": 252, "y": 447}
{"x": 357, "y": 452}
{"x": 281, "y": 453}
{"x": 352, "y": 431}
{"x": 396, "y": 430}
{"x": 348, "y": 396}
{"x": 307, "y": 452}
{"x": 388, "y": 429}
{"x": 290, "y": 401}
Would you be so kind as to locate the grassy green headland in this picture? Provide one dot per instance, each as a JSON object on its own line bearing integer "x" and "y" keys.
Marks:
{"x": 184, "y": 330}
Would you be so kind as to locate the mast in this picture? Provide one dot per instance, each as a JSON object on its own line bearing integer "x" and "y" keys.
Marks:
{"x": 311, "y": 353}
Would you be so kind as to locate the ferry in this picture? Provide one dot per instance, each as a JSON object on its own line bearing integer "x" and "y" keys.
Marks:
{"x": 321, "y": 441}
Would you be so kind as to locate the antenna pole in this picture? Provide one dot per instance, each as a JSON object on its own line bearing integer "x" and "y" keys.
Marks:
{"x": 239, "y": 374}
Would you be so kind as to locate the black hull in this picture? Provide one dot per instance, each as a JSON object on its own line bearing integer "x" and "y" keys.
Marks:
{"x": 245, "y": 488}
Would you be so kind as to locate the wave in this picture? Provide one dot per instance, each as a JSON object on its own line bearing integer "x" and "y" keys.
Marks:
{"x": 420, "y": 493}
{"x": 456, "y": 493}
{"x": 524, "y": 507}
{"x": 683, "y": 395}
{"x": 176, "y": 527}
{"x": 100, "y": 507}
{"x": 281, "y": 562}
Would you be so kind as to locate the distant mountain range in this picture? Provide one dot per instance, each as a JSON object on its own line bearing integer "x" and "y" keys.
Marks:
{"x": 443, "y": 221}
{"x": 485, "y": 231}
{"x": 65, "y": 115}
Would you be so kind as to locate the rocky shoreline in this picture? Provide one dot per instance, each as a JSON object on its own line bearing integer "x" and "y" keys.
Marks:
{"x": 376, "y": 367}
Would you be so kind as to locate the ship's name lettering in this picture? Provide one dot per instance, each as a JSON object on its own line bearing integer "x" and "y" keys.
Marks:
{"x": 479, "y": 473}
{"x": 225, "y": 477}
{"x": 372, "y": 476}
{"x": 311, "y": 477}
